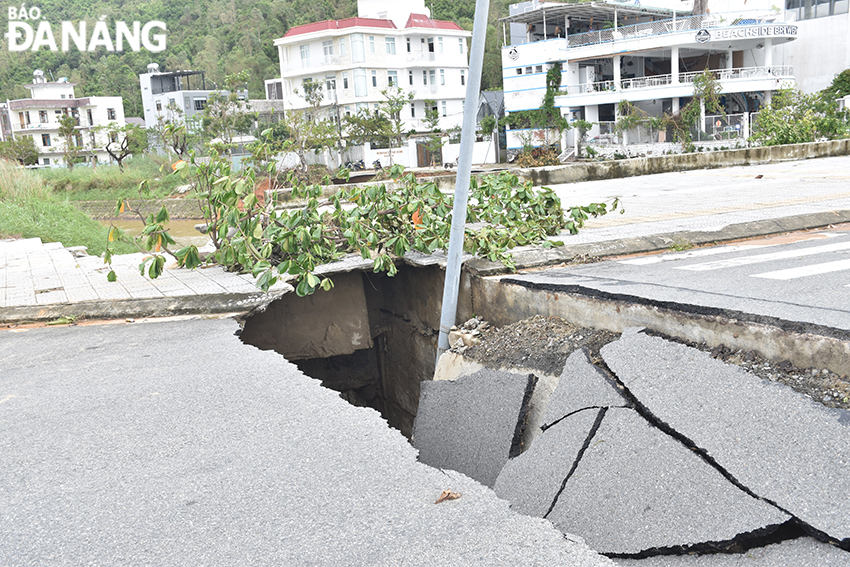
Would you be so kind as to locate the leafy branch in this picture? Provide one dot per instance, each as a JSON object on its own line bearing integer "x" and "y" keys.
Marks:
{"x": 379, "y": 222}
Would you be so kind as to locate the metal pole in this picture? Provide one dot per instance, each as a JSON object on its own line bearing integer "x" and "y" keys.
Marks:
{"x": 464, "y": 169}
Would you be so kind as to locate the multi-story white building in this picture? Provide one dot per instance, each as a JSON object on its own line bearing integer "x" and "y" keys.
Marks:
{"x": 38, "y": 117}
{"x": 178, "y": 95}
{"x": 171, "y": 95}
{"x": 613, "y": 51}
{"x": 387, "y": 45}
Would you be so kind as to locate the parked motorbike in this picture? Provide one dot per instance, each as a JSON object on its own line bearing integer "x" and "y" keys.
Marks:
{"x": 377, "y": 164}
{"x": 355, "y": 165}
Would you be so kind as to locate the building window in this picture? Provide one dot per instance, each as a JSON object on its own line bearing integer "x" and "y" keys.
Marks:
{"x": 330, "y": 82}
{"x": 432, "y": 77}
{"x": 345, "y": 80}
{"x": 342, "y": 46}
{"x": 444, "y": 108}
{"x": 374, "y": 78}
{"x": 430, "y": 45}
{"x": 305, "y": 55}
{"x": 439, "y": 45}
{"x": 28, "y": 118}
{"x": 47, "y": 161}
{"x": 89, "y": 116}
{"x": 410, "y": 77}
{"x": 425, "y": 77}
{"x": 371, "y": 44}
{"x": 45, "y": 140}
{"x": 460, "y": 44}
{"x": 412, "y": 110}
{"x": 113, "y": 137}
{"x": 390, "y": 46}
{"x": 408, "y": 45}
{"x": 358, "y": 55}
{"x": 110, "y": 114}
{"x": 42, "y": 116}
{"x": 328, "y": 50}
{"x": 200, "y": 103}
{"x": 360, "y": 82}
{"x": 442, "y": 76}
{"x": 528, "y": 70}
{"x": 61, "y": 96}
{"x": 538, "y": 69}
{"x": 79, "y": 140}
{"x": 809, "y": 9}
{"x": 519, "y": 71}
{"x": 462, "y": 77}
{"x": 392, "y": 78}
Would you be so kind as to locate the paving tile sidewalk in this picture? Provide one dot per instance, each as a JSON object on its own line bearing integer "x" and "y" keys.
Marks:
{"x": 41, "y": 281}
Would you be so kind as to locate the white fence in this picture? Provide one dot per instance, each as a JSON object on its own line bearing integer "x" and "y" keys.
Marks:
{"x": 482, "y": 152}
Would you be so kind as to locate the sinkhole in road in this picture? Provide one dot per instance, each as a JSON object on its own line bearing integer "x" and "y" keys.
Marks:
{"x": 372, "y": 338}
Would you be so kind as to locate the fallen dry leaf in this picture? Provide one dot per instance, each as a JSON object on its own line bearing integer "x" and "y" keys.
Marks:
{"x": 447, "y": 495}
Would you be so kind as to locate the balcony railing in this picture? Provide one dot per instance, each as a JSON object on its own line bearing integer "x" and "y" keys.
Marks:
{"x": 701, "y": 21}
{"x": 746, "y": 73}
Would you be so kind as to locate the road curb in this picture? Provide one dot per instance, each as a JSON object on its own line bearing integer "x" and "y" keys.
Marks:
{"x": 529, "y": 258}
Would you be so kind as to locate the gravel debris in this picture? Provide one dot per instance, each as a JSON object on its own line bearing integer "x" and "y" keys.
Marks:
{"x": 544, "y": 343}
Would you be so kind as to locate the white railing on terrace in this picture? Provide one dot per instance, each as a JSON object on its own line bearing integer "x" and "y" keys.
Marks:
{"x": 675, "y": 25}
{"x": 747, "y": 73}
{"x": 716, "y": 129}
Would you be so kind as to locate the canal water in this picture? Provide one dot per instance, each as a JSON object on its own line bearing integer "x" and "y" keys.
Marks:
{"x": 183, "y": 231}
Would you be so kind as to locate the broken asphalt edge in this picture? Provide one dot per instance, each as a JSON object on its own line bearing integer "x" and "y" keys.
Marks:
{"x": 792, "y": 528}
{"x": 600, "y": 415}
{"x": 141, "y": 308}
{"x": 688, "y": 308}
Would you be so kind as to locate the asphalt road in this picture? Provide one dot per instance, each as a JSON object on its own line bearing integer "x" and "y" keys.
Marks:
{"x": 801, "y": 278}
{"x": 172, "y": 443}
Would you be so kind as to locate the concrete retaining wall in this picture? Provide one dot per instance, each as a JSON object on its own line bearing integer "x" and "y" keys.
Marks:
{"x": 573, "y": 173}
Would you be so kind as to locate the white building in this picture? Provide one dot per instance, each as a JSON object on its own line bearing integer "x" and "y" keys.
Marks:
{"x": 170, "y": 95}
{"x": 613, "y": 51}
{"x": 178, "y": 95}
{"x": 38, "y": 117}
{"x": 388, "y": 44}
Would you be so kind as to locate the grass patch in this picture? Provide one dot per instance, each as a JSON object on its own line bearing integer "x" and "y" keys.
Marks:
{"x": 28, "y": 209}
{"x": 108, "y": 183}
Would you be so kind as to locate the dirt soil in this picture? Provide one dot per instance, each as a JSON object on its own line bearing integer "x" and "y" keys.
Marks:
{"x": 544, "y": 343}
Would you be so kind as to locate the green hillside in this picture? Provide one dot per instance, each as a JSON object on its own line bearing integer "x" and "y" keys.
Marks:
{"x": 217, "y": 36}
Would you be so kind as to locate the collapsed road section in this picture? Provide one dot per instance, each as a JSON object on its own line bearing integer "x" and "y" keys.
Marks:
{"x": 656, "y": 448}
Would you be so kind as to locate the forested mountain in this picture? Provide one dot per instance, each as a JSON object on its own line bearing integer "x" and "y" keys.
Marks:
{"x": 217, "y": 36}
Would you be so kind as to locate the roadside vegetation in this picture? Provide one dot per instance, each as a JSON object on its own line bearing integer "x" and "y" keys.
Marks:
{"x": 378, "y": 222}
{"x": 29, "y": 209}
{"x": 794, "y": 117}
{"x": 107, "y": 182}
